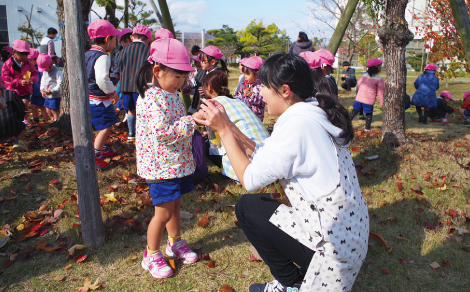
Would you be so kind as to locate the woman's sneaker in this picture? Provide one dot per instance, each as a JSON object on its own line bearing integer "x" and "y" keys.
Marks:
{"x": 181, "y": 249}
{"x": 156, "y": 265}
{"x": 273, "y": 286}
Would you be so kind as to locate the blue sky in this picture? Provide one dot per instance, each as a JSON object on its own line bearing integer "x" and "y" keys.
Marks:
{"x": 195, "y": 15}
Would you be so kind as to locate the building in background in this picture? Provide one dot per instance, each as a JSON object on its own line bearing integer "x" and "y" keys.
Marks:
{"x": 13, "y": 14}
{"x": 190, "y": 39}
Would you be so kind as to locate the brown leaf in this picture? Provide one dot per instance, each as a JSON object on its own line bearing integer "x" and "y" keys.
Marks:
{"x": 226, "y": 288}
{"x": 59, "y": 278}
{"x": 400, "y": 185}
{"x": 435, "y": 265}
{"x": 205, "y": 257}
{"x": 386, "y": 271}
{"x": 172, "y": 264}
{"x": 211, "y": 264}
{"x": 41, "y": 245}
{"x": 446, "y": 264}
{"x": 380, "y": 239}
{"x": 203, "y": 222}
{"x": 82, "y": 258}
{"x": 402, "y": 238}
{"x": 67, "y": 267}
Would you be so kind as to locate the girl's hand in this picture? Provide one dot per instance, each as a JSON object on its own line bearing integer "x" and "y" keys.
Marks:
{"x": 25, "y": 82}
{"x": 248, "y": 92}
{"x": 214, "y": 116}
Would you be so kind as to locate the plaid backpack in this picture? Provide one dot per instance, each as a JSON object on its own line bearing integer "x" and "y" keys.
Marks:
{"x": 11, "y": 117}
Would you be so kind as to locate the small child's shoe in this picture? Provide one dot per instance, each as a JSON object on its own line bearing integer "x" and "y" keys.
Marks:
{"x": 19, "y": 145}
{"x": 445, "y": 121}
{"x": 181, "y": 249}
{"x": 26, "y": 122}
{"x": 362, "y": 118}
{"x": 156, "y": 265}
{"x": 108, "y": 153}
{"x": 433, "y": 120}
{"x": 100, "y": 163}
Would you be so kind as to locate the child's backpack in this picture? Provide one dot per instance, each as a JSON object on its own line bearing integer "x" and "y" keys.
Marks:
{"x": 11, "y": 117}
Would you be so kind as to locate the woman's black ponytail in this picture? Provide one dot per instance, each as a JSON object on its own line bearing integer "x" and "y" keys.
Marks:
{"x": 143, "y": 77}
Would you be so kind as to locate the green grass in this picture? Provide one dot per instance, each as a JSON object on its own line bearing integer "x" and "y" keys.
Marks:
{"x": 437, "y": 153}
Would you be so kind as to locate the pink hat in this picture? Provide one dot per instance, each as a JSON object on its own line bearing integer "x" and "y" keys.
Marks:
{"x": 21, "y": 46}
{"x": 213, "y": 52}
{"x": 171, "y": 53}
{"x": 163, "y": 33}
{"x": 374, "y": 62}
{"x": 33, "y": 54}
{"x": 143, "y": 30}
{"x": 431, "y": 66}
{"x": 8, "y": 49}
{"x": 242, "y": 59}
{"x": 254, "y": 62}
{"x": 466, "y": 94}
{"x": 447, "y": 94}
{"x": 102, "y": 28}
{"x": 44, "y": 61}
{"x": 124, "y": 31}
{"x": 326, "y": 57}
{"x": 313, "y": 60}
{"x": 197, "y": 59}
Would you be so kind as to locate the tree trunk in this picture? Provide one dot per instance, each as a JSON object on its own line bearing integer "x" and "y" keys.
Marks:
{"x": 394, "y": 36}
{"x": 462, "y": 22}
{"x": 126, "y": 13}
{"x": 64, "y": 119}
{"x": 166, "y": 16}
{"x": 341, "y": 27}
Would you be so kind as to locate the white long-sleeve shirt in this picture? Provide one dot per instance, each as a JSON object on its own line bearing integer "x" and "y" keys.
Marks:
{"x": 51, "y": 81}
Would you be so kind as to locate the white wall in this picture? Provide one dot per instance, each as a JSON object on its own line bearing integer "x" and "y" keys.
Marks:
{"x": 40, "y": 20}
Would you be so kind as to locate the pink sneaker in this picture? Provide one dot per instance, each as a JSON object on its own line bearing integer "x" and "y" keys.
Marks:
{"x": 156, "y": 265}
{"x": 446, "y": 122}
{"x": 367, "y": 130}
{"x": 181, "y": 249}
{"x": 26, "y": 122}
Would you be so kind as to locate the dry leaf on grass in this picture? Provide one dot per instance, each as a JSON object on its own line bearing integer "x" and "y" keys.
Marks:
{"x": 446, "y": 264}
{"x": 59, "y": 278}
{"x": 203, "y": 222}
{"x": 67, "y": 267}
{"x": 211, "y": 264}
{"x": 75, "y": 247}
{"x": 435, "y": 265}
{"x": 380, "y": 239}
{"x": 386, "y": 271}
{"x": 172, "y": 264}
{"x": 226, "y": 288}
{"x": 87, "y": 286}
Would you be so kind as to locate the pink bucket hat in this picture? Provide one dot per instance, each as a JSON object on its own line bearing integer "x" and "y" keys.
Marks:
{"x": 374, "y": 62}
{"x": 102, "y": 28}
{"x": 447, "y": 94}
{"x": 21, "y": 46}
{"x": 33, "y": 54}
{"x": 313, "y": 60}
{"x": 163, "y": 33}
{"x": 241, "y": 60}
{"x": 197, "y": 59}
{"x": 431, "y": 66}
{"x": 8, "y": 49}
{"x": 44, "y": 61}
{"x": 143, "y": 30}
{"x": 466, "y": 94}
{"x": 171, "y": 53}
{"x": 254, "y": 62}
{"x": 326, "y": 57}
{"x": 124, "y": 31}
{"x": 213, "y": 51}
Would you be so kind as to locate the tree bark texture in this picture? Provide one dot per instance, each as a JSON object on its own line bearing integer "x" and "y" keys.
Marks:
{"x": 166, "y": 16}
{"x": 85, "y": 165}
{"x": 462, "y": 22}
{"x": 341, "y": 27}
{"x": 64, "y": 119}
{"x": 394, "y": 36}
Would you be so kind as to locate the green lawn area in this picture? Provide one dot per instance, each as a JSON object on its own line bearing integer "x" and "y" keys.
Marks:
{"x": 417, "y": 196}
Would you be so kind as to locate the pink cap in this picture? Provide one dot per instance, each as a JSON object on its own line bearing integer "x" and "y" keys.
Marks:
{"x": 163, "y": 33}
{"x": 254, "y": 62}
{"x": 33, "y": 54}
{"x": 171, "y": 53}
{"x": 213, "y": 52}
{"x": 374, "y": 62}
{"x": 431, "y": 66}
{"x": 326, "y": 57}
{"x": 143, "y": 30}
{"x": 447, "y": 94}
{"x": 21, "y": 46}
{"x": 197, "y": 59}
{"x": 102, "y": 28}
{"x": 313, "y": 60}
{"x": 124, "y": 31}
{"x": 466, "y": 94}
{"x": 241, "y": 60}
{"x": 8, "y": 49}
{"x": 43, "y": 61}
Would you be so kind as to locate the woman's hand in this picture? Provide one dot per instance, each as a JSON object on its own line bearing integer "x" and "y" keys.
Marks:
{"x": 213, "y": 116}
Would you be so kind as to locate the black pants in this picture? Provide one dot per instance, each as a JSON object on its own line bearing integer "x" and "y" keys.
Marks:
{"x": 277, "y": 249}
{"x": 348, "y": 84}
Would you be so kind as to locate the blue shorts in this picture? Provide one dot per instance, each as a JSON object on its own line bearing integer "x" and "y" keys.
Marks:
{"x": 28, "y": 97}
{"x": 170, "y": 190}
{"x": 119, "y": 103}
{"x": 102, "y": 117}
{"x": 367, "y": 108}
{"x": 129, "y": 100}
{"x": 37, "y": 100}
{"x": 407, "y": 105}
{"x": 467, "y": 113}
{"x": 52, "y": 103}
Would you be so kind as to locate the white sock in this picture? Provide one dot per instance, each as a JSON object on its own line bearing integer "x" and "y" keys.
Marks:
{"x": 444, "y": 120}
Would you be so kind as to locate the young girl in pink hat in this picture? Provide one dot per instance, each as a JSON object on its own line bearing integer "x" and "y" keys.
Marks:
{"x": 369, "y": 87}
{"x": 443, "y": 110}
{"x": 249, "y": 91}
{"x": 163, "y": 147}
{"x": 15, "y": 73}
{"x": 37, "y": 100}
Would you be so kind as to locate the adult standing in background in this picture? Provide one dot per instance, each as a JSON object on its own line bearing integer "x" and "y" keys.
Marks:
{"x": 47, "y": 43}
{"x": 348, "y": 76}
{"x": 302, "y": 44}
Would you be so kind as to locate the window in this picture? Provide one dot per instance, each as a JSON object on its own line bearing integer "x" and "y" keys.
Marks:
{"x": 4, "y": 39}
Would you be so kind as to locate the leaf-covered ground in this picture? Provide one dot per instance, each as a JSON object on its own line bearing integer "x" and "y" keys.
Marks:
{"x": 417, "y": 196}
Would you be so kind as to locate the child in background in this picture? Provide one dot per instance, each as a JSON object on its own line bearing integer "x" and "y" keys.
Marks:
{"x": 129, "y": 61}
{"x": 327, "y": 61}
{"x": 249, "y": 91}
{"x": 163, "y": 33}
{"x": 124, "y": 39}
{"x": 369, "y": 87}
{"x": 163, "y": 148}
{"x": 442, "y": 111}
{"x": 37, "y": 100}
{"x": 321, "y": 84}
{"x": 102, "y": 93}
{"x": 242, "y": 76}
{"x": 425, "y": 96}
{"x": 464, "y": 110}
{"x": 19, "y": 74}
{"x": 50, "y": 85}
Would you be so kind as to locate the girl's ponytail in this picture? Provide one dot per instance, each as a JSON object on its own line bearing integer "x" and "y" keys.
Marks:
{"x": 224, "y": 67}
{"x": 143, "y": 77}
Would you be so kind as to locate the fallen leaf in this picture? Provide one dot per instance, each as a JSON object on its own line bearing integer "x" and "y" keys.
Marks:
{"x": 87, "y": 286}
{"x": 67, "y": 267}
{"x": 7, "y": 263}
{"x": 110, "y": 197}
{"x": 386, "y": 271}
{"x": 75, "y": 247}
{"x": 205, "y": 257}
{"x": 133, "y": 259}
{"x": 203, "y": 222}
{"x": 383, "y": 203}
{"x": 453, "y": 213}
{"x": 172, "y": 264}
{"x": 82, "y": 258}
{"x": 211, "y": 264}
{"x": 380, "y": 239}
{"x": 402, "y": 238}
{"x": 41, "y": 245}
{"x": 226, "y": 288}
{"x": 446, "y": 264}
{"x": 462, "y": 230}
{"x": 59, "y": 278}
{"x": 400, "y": 185}
{"x": 253, "y": 258}
{"x": 186, "y": 215}
{"x": 443, "y": 188}
{"x": 435, "y": 265}
{"x": 355, "y": 149}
